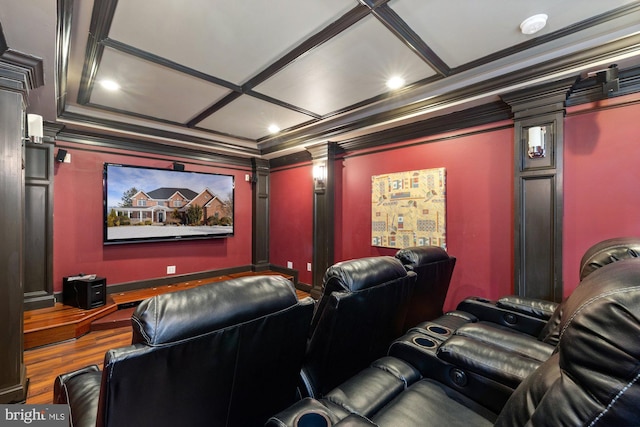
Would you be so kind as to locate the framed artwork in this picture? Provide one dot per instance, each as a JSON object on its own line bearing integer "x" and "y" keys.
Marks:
{"x": 409, "y": 209}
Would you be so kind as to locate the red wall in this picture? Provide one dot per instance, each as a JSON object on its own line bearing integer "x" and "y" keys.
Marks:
{"x": 601, "y": 201}
{"x": 601, "y": 178}
{"x": 479, "y": 170}
{"x": 601, "y": 196}
{"x": 291, "y": 219}
{"x": 479, "y": 207}
{"x": 78, "y": 223}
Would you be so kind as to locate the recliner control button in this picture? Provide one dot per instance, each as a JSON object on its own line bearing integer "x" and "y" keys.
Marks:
{"x": 510, "y": 319}
{"x": 458, "y": 377}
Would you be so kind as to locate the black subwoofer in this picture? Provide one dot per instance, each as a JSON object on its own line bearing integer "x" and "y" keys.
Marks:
{"x": 84, "y": 293}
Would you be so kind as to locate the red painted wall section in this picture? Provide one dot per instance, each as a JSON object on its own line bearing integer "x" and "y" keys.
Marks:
{"x": 78, "y": 220}
{"x": 601, "y": 179}
{"x": 291, "y": 219}
{"x": 479, "y": 168}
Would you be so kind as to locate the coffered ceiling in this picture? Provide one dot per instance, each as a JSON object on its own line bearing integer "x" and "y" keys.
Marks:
{"x": 214, "y": 75}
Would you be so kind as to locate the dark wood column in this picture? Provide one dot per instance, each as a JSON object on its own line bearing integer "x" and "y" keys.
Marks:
{"x": 323, "y": 159}
{"x": 260, "y": 214}
{"x": 38, "y": 262}
{"x": 19, "y": 74}
{"x": 538, "y": 199}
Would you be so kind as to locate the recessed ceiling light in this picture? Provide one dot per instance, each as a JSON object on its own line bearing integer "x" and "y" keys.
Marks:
{"x": 533, "y": 24}
{"x": 109, "y": 85}
{"x": 395, "y": 82}
{"x": 273, "y": 128}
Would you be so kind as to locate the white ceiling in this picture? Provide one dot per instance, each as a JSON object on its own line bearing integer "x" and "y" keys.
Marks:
{"x": 214, "y": 75}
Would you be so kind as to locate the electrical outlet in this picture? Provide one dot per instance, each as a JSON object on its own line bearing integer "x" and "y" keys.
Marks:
{"x": 289, "y": 264}
{"x": 171, "y": 269}
{"x": 308, "y": 266}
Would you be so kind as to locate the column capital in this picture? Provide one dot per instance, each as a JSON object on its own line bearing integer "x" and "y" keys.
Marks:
{"x": 537, "y": 100}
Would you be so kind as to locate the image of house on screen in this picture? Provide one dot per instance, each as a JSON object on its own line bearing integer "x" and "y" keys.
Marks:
{"x": 162, "y": 204}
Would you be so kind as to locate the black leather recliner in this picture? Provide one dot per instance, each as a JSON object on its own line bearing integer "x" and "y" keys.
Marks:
{"x": 227, "y": 354}
{"x": 487, "y": 354}
{"x": 540, "y": 318}
{"x": 361, "y": 311}
{"x": 433, "y": 267}
{"x": 593, "y": 377}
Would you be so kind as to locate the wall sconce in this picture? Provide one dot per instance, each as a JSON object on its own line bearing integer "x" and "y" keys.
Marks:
{"x": 320, "y": 176}
{"x": 34, "y": 128}
{"x": 536, "y": 142}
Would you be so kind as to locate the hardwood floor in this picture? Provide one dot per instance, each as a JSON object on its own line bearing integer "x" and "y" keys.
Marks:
{"x": 44, "y": 364}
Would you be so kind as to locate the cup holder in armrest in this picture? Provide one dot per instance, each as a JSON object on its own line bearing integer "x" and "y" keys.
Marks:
{"x": 312, "y": 419}
{"x": 439, "y": 330}
{"x": 424, "y": 342}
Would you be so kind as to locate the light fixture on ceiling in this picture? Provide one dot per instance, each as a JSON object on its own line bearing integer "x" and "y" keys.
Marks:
{"x": 395, "y": 82}
{"x": 533, "y": 24}
{"x": 273, "y": 128}
{"x": 109, "y": 85}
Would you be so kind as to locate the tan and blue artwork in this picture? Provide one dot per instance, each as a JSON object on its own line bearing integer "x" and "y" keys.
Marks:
{"x": 409, "y": 209}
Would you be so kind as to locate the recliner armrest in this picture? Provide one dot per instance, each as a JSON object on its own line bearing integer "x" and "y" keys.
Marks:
{"x": 507, "y": 338}
{"x": 80, "y": 389}
{"x": 496, "y": 363}
{"x": 309, "y": 407}
{"x": 541, "y": 309}
{"x": 372, "y": 388}
{"x": 490, "y": 311}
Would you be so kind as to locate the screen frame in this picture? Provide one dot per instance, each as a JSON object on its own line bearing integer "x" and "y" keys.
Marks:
{"x": 165, "y": 229}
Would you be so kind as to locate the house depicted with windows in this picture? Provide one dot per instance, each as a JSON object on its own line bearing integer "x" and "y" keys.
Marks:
{"x": 159, "y": 205}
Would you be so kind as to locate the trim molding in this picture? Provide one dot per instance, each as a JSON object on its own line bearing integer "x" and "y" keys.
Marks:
{"x": 132, "y": 144}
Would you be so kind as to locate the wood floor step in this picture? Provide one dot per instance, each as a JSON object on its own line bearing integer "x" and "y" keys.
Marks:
{"x": 118, "y": 319}
{"x": 60, "y": 323}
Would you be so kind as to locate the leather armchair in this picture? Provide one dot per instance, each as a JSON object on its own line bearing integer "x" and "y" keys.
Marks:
{"x": 227, "y": 353}
{"x": 361, "y": 311}
{"x": 591, "y": 379}
{"x": 433, "y": 267}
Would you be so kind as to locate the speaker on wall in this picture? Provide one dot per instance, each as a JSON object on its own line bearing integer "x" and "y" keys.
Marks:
{"x": 61, "y": 155}
{"x": 178, "y": 166}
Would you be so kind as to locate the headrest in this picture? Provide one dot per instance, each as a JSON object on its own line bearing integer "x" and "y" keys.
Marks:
{"x": 601, "y": 324}
{"x": 419, "y": 255}
{"x": 185, "y": 314}
{"x": 608, "y": 251}
{"x": 362, "y": 273}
